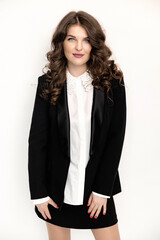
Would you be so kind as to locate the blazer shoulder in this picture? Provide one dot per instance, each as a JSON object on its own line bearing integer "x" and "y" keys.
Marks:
{"x": 118, "y": 88}
{"x": 42, "y": 78}
{"x": 116, "y": 83}
{"x": 42, "y": 82}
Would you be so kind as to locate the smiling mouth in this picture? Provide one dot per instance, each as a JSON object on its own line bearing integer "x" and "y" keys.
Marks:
{"x": 78, "y": 55}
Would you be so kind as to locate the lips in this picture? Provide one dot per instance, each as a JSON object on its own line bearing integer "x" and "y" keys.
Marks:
{"x": 78, "y": 55}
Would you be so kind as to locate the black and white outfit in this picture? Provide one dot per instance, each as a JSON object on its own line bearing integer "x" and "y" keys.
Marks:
{"x": 75, "y": 149}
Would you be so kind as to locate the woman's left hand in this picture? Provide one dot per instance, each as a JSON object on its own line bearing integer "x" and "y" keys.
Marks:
{"x": 95, "y": 204}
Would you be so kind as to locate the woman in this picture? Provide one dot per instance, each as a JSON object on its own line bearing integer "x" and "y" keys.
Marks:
{"x": 77, "y": 132}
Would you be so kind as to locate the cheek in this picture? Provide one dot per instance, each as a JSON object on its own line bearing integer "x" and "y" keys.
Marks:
{"x": 88, "y": 50}
{"x": 66, "y": 47}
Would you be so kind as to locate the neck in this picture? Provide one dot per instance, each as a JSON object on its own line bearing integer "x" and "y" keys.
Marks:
{"x": 76, "y": 71}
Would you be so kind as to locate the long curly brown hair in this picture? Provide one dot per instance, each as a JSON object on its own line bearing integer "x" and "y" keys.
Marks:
{"x": 100, "y": 67}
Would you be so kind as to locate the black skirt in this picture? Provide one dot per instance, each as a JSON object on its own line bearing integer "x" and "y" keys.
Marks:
{"x": 77, "y": 216}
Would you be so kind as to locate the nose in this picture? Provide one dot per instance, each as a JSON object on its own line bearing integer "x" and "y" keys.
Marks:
{"x": 79, "y": 45}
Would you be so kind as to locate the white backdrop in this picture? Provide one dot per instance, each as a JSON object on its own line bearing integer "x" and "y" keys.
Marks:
{"x": 133, "y": 34}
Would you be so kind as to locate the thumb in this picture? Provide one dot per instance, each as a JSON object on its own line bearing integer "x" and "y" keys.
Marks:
{"x": 53, "y": 203}
{"x": 89, "y": 200}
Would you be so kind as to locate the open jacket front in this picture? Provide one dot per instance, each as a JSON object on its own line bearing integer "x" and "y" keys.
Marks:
{"x": 49, "y": 144}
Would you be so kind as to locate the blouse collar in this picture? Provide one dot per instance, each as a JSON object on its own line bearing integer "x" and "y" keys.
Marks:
{"x": 71, "y": 81}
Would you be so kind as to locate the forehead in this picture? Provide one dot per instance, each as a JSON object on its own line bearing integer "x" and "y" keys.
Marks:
{"x": 77, "y": 31}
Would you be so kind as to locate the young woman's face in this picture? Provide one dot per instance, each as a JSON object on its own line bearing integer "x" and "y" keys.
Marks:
{"x": 76, "y": 42}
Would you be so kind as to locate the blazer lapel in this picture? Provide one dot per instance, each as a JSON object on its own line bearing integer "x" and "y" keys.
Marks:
{"x": 64, "y": 120}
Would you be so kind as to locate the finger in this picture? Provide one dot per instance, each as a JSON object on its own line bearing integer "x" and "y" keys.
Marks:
{"x": 47, "y": 213}
{"x": 104, "y": 208}
{"x": 43, "y": 214}
{"x": 97, "y": 212}
{"x": 93, "y": 211}
{"x": 53, "y": 203}
{"x": 42, "y": 210}
{"x": 90, "y": 200}
{"x": 91, "y": 207}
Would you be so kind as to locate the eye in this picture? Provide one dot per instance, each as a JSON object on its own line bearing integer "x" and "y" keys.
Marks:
{"x": 84, "y": 40}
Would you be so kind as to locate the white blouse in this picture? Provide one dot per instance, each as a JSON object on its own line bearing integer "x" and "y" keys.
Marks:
{"x": 80, "y": 97}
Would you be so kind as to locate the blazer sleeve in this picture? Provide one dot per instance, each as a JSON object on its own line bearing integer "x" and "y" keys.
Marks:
{"x": 100, "y": 195}
{"x": 37, "y": 144}
{"x": 107, "y": 171}
{"x": 40, "y": 200}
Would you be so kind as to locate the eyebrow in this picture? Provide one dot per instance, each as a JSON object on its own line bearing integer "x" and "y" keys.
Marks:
{"x": 75, "y": 37}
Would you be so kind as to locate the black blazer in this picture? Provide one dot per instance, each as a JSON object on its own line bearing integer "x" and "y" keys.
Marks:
{"x": 49, "y": 144}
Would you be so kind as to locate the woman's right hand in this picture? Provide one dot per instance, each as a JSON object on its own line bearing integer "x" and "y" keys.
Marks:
{"x": 43, "y": 208}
